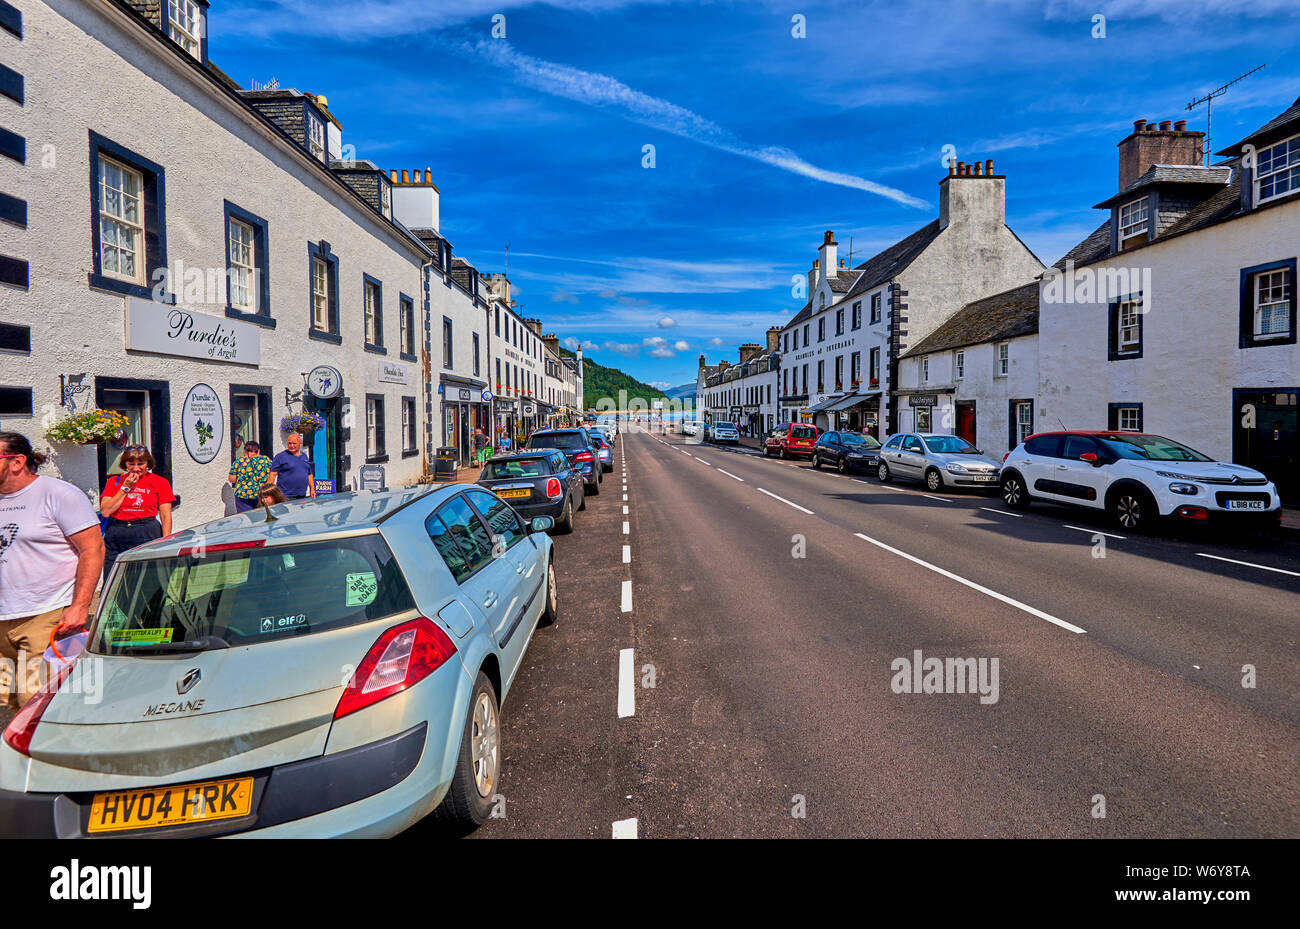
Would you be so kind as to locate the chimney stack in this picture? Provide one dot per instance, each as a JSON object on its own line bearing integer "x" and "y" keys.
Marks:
{"x": 826, "y": 255}
{"x": 750, "y": 350}
{"x": 773, "y": 338}
{"x": 1152, "y": 143}
{"x": 415, "y": 200}
{"x": 983, "y": 203}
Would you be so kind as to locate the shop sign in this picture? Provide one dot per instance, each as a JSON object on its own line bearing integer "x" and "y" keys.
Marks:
{"x": 529, "y": 409}
{"x": 464, "y": 394}
{"x": 325, "y": 382}
{"x": 324, "y": 486}
{"x": 172, "y": 330}
{"x": 372, "y": 477}
{"x": 203, "y": 425}
{"x": 923, "y": 400}
{"x": 486, "y": 396}
{"x": 391, "y": 373}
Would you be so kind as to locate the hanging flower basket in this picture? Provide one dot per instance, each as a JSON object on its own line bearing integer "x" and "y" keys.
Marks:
{"x": 304, "y": 423}
{"x": 89, "y": 427}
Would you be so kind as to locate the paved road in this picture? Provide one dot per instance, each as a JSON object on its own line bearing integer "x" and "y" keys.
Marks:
{"x": 769, "y": 601}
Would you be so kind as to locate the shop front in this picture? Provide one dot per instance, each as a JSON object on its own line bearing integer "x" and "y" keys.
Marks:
{"x": 857, "y": 413}
{"x": 464, "y": 410}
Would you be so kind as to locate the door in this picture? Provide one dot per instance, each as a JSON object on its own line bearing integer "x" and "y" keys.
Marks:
{"x": 1040, "y": 459}
{"x": 1075, "y": 481}
{"x": 966, "y": 420}
{"x": 1266, "y": 437}
{"x": 485, "y": 582}
{"x": 911, "y": 457}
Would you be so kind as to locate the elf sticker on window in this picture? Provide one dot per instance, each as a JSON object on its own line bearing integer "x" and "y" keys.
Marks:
{"x": 362, "y": 588}
{"x": 279, "y": 623}
{"x": 128, "y": 637}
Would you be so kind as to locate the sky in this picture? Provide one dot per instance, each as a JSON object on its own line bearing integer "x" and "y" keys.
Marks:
{"x": 762, "y": 139}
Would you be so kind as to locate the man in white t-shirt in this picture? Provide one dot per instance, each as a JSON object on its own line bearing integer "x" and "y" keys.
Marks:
{"x": 51, "y": 554}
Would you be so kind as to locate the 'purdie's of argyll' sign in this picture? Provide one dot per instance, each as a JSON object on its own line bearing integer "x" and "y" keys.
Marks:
{"x": 174, "y": 330}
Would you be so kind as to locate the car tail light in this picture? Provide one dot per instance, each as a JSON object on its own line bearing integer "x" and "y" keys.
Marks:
{"x": 1193, "y": 512}
{"x": 583, "y": 456}
{"x": 553, "y": 487}
{"x": 403, "y": 656}
{"x": 22, "y": 727}
{"x": 202, "y": 550}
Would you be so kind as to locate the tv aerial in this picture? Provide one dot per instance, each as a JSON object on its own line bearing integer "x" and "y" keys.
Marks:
{"x": 1208, "y": 100}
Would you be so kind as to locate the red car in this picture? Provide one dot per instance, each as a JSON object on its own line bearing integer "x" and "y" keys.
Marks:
{"x": 789, "y": 439}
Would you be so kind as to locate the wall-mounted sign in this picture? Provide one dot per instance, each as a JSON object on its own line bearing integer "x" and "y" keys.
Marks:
{"x": 923, "y": 400}
{"x": 203, "y": 425}
{"x": 325, "y": 382}
{"x": 371, "y": 477}
{"x": 464, "y": 394}
{"x": 324, "y": 486}
{"x": 391, "y": 373}
{"x": 486, "y": 396}
{"x": 529, "y": 410}
{"x": 174, "y": 330}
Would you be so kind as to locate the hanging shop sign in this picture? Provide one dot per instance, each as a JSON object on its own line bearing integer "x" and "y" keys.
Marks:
{"x": 486, "y": 396}
{"x": 392, "y": 373}
{"x": 324, "y": 382}
{"x": 172, "y": 330}
{"x": 372, "y": 477}
{"x": 203, "y": 425}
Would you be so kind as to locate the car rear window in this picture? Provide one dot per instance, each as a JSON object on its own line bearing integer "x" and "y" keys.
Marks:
{"x": 248, "y": 596}
{"x": 515, "y": 468}
{"x": 557, "y": 440}
{"x": 802, "y": 432}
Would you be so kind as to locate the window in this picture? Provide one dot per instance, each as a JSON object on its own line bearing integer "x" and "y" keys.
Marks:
{"x": 121, "y": 222}
{"x": 821, "y": 376}
{"x": 1126, "y": 417}
{"x": 839, "y": 322}
{"x": 375, "y": 427}
{"x": 1278, "y": 170}
{"x": 407, "y": 325}
{"x": 324, "y": 293}
{"x": 1268, "y": 304}
{"x": 857, "y": 315}
{"x": 821, "y": 329}
{"x": 500, "y": 517}
{"x": 1133, "y": 223}
{"x": 248, "y": 285}
{"x": 498, "y": 321}
{"x": 315, "y": 136}
{"x": 1002, "y": 360}
{"x": 446, "y": 342}
{"x": 460, "y": 537}
{"x": 1126, "y": 328}
{"x": 385, "y": 197}
{"x": 923, "y": 418}
{"x": 408, "y": 426}
{"x": 873, "y": 360}
{"x": 185, "y": 26}
{"x": 925, "y": 371}
{"x": 958, "y": 366}
{"x": 806, "y": 328}
{"x": 805, "y": 379}
{"x": 1021, "y": 421}
{"x": 785, "y": 383}
{"x": 498, "y": 374}
{"x": 839, "y": 372}
{"x": 787, "y": 341}
{"x": 875, "y": 308}
{"x": 373, "y": 301}
{"x": 242, "y": 295}
{"x": 476, "y": 365}
{"x": 796, "y": 339}
{"x": 855, "y": 368}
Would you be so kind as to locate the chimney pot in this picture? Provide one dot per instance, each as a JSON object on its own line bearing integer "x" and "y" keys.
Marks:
{"x": 1180, "y": 125}
{"x": 392, "y": 175}
{"x": 816, "y": 261}
{"x": 828, "y": 237}
{"x": 979, "y": 168}
{"x": 1164, "y": 126}
{"x": 952, "y": 167}
{"x": 961, "y": 169}
{"x": 988, "y": 166}
{"x": 1139, "y": 125}
{"x": 405, "y": 179}
{"x": 841, "y": 262}
{"x": 428, "y": 176}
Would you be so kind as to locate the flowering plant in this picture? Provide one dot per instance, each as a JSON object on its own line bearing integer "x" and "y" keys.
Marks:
{"x": 302, "y": 422}
{"x": 89, "y": 427}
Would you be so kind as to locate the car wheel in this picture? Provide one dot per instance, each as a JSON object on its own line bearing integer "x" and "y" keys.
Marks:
{"x": 583, "y": 505}
{"x": 767, "y": 452}
{"x": 784, "y": 456}
{"x": 1014, "y": 493}
{"x": 817, "y": 461}
{"x": 552, "y": 611}
{"x": 594, "y": 489}
{"x": 843, "y": 466}
{"x": 565, "y": 525}
{"x": 933, "y": 480}
{"x": 1132, "y": 509}
{"x": 882, "y": 473}
{"x": 478, "y": 766}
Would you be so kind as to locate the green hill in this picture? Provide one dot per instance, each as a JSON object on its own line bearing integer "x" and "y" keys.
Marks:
{"x": 599, "y": 381}
{"x": 682, "y": 391}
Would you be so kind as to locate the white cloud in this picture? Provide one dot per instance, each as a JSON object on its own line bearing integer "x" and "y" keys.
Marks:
{"x": 601, "y": 90}
{"x": 661, "y": 385}
{"x": 563, "y": 296}
{"x": 715, "y": 343}
{"x": 681, "y": 345}
{"x": 627, "y": 349}
{"x": 667, "y": 322}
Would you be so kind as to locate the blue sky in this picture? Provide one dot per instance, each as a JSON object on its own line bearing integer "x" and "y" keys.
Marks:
{"x": 762, "y": 140}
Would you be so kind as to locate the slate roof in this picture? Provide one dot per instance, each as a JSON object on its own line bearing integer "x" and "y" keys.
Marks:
{"x": 997, "y": 318}
{"x": 1094, "y": 248}
{"x": 1171, "y": 174}
{"x": 843, "y": 280}
{"x": 1279, "y": 127}
{"x": 892, "y": 261}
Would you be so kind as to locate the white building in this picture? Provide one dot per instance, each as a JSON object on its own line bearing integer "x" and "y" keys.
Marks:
{"x": 515, "y": 347}
{"x": 1178, "y": 315}
{"x": 840, "y": 352}
{"x": 743, "y": 393}
{"x": 187, "y": 252}
{"x": 976, "y": 376}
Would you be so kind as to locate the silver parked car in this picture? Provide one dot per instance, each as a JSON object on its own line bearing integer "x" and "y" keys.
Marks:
{"x": 338, "y": 671}
{"x": 938, "y": 460}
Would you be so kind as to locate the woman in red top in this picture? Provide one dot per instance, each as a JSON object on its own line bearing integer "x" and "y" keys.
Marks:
{"x": 138, "y": 504}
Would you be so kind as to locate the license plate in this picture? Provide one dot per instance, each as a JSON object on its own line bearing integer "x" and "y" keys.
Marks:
{"x": 986, "y": 477}
{"x": 157, "y": 807}
{"x": 508, "y": 494}
{"x": 1245, "y": 504}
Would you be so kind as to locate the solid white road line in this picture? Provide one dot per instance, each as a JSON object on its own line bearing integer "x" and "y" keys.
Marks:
{"x": 1003, "y": 512}
{"x": 972, "y": 585}
{"x": 1250, "y": 564}
{"x": 625, "y": 829}
{"x": 626, "y": 528}
{"x": 729, "y": 474}
{"x": 627, "y": 596}
{"x": 1098, "y": 532}
{"x": 626, "y": 690}
{"x": 627, "y": 554}
{"x": 785, "y": 501}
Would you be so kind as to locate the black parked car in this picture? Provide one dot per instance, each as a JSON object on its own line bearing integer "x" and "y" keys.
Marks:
{"x": 577, "y": 447}
{"x": 537, "y": 482}
{"x": 846, "y": 451}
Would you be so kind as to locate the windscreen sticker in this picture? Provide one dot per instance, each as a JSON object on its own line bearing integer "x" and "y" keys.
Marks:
{"x": 280, "y": 623}
{"x": 115, "y": 619}
{"x": 362, "y": 588}
{"x": 129, "y": 637}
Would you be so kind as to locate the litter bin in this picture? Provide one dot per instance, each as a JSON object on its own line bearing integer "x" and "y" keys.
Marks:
{"x": 446, "y": 463}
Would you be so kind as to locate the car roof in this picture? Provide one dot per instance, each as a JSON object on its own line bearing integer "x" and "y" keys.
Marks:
{"x": 308, "y": 520}
{"x": 526, "y": 453}
{"x": 1090, "y": 432}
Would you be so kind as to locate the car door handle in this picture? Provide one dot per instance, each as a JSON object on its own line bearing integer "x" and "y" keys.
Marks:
{"x": 519, "y": 569}
{"x": 490, "y": 600}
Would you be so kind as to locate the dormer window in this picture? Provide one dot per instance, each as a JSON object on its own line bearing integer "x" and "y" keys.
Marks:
{"x": 1279, "y": 170}
{"x": 1133, "y": 224}
{"x": 185, "y": 26}
{"x": 385, "y": 197}
{"x": 315, "y": 136}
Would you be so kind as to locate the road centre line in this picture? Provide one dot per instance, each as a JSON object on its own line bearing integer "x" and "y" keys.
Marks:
{"x": 1003, "y": 512}
{"x": 627, "y": 597}
{"x": 627, "y": 554}
{"x": 729, "y": 474}
{"x": 933, "y": 497}
{"x": 1250, "y": 564}
{"x": 626, "y": 527}
{"x": 785, "y": 501}
{"x": 1097, "y": 532}
{"x": 624, "y": 511}
{"x": 625, "y": 829}
{"x": 626, "y": 691}
{"x": 974, "y": 586}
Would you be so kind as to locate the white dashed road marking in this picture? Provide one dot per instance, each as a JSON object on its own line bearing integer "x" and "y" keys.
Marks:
{"x": 626, "y": 691}
{"x": 785, "y": 501}
{"x": 627, "y": 554}
{"x": 626, "y": 528}
{"x": 625, "y": 511}
{"x": 730, "y": 475}
{"x": 972, "y": 585}
{"x": 627, "y": 596}
{"x": 1003, "y": 512}
{"x": 625, "y": 829}
{"x": 1098, "y": 532}
{"x": 1250, "y": 564}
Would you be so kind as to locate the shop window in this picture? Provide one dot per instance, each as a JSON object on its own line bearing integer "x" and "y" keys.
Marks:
{"x": 129, "y": 242}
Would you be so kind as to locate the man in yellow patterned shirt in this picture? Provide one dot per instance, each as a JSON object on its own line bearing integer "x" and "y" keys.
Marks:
{"x": 248, "y": 474}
